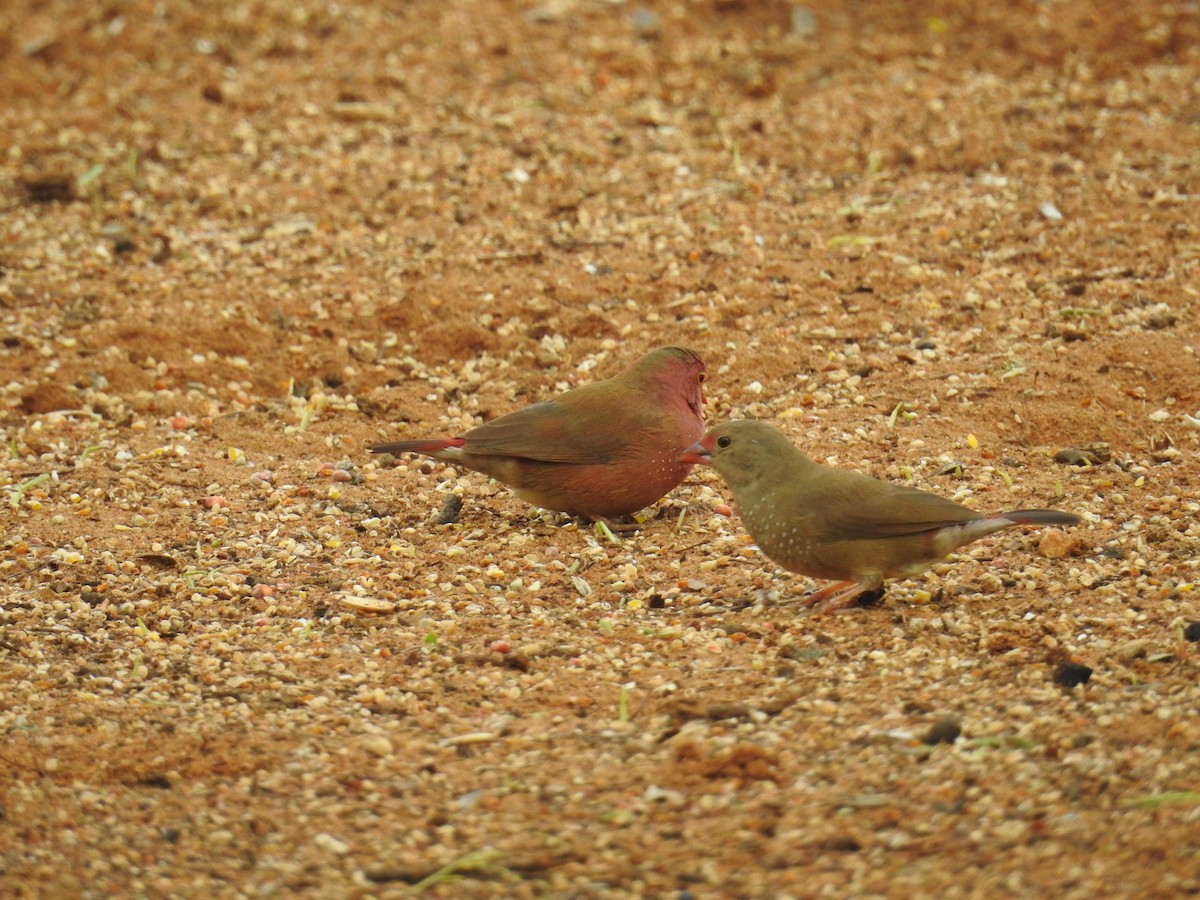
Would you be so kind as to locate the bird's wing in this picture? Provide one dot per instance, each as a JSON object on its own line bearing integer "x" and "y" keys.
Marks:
{"x": 551, "y": 431}
{"x": 871, "y": 509}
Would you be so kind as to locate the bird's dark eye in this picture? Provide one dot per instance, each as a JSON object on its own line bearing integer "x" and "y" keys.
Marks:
{"x": 700, "y": 378}
{"x": 724, "y": 441}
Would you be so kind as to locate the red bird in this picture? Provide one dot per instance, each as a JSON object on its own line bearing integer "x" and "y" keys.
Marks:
{"x": 599, "y": 451}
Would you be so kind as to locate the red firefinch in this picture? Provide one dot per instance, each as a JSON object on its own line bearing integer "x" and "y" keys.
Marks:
{"x": 599, "y": 451}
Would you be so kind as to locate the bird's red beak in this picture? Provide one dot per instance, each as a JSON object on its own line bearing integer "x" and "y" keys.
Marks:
{"x": 696, "y": 455}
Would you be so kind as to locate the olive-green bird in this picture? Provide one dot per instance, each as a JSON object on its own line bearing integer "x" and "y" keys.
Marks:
{"x": 826, "y": 523}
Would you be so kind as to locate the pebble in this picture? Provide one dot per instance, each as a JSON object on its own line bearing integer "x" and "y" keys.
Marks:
{"x": 378, "y": 745}
{"x": 1071, "y": 675}
{"x": 366, "y": 606}
{"x": 450, "y": 511}
{"x": 1055, "y": 544}
{"x": 1051, "y": 212}
{"x": 1131, "y": 650}
{"x": 646, "y": 22}
{"x": 944, "y": 731}
{"x": 802, "y": 23}
{"x": 327, "y": 841}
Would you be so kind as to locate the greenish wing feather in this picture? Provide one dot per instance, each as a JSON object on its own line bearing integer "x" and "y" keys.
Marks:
{"x": 870, "y": 509}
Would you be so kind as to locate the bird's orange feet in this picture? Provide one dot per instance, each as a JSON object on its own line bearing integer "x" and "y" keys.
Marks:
{"x": 841, "y": 595}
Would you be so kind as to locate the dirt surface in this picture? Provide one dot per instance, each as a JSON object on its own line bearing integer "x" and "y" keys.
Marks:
{"x": 937, "y": 243}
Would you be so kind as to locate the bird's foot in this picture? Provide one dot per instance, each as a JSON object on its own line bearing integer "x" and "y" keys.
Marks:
{"x": 609, "y": 529}
{"x": 762, "y": 598}
{"x": 842, "y": 595}
{"x": 601, "y": 527}
{"x": 605, "y": 528}
{"x": 625, "y": 527}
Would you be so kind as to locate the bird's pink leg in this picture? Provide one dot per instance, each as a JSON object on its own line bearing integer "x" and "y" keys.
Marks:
{"x": 836, "y": 595}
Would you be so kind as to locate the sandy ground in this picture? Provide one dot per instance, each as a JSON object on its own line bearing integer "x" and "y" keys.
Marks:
{"x": 938, "y": 243}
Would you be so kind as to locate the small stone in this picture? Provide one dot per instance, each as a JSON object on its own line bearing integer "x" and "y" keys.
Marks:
{"x": 449, "y": 512}
{"x": 656, "y": 794}
{"x": 366, "y": 606}
{"x": 1054, "y": 544}
{"x": 1071, "y": 675}
{"x": 378, "y": 745}
{"x": 1088, "y": 455}
{"x": 1192, "y": 632}
{"x": 52, "y": 189}
{"x": 646, "y": 23}
{"x": 285, "y": 228}
{"x": 1051, "y": 212}
{"x": 1131, "y": 650}
{"x": 333, "y": 845}
{"x": 869, "y": 599}
{"x": 358, "y": 111}
{"x": 803, "y": 23}
{"x": 803, "y": 654}
{"x": 944, "y": 731}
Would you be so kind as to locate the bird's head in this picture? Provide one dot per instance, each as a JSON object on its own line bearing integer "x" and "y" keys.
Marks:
{"x": 741, "y": 450}
{"x": 680, "y": 370}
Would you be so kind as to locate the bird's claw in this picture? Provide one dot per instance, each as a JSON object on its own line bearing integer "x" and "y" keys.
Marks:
{"x": 842, "y": 595}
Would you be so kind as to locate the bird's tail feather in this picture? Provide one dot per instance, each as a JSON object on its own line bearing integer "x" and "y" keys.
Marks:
{"x": 1041, "y": 517}
{"x": 429, "y": 446}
